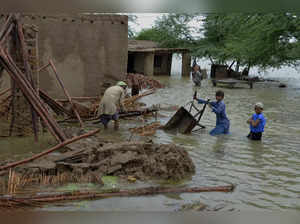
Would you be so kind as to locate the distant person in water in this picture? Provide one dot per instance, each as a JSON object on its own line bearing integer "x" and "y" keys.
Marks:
{"x": 135, "y": 86}
{"x": 197, "y": 75}
{"x": 219, "y": 108}
{"x": 257, "y": 122}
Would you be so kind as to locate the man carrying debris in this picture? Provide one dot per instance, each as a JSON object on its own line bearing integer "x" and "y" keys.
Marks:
{"x": 111, "y": 103}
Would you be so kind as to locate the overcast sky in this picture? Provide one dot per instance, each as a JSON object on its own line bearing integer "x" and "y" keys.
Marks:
{"x": 145, "y": 20}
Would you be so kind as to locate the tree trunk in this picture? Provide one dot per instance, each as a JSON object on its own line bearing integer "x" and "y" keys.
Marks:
{"x": 237, "y": 66}
{"x": 248, "y": 68}
{"x": 231, "y": 65}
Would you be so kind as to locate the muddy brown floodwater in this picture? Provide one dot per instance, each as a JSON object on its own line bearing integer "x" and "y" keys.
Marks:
{"x": 266, "y": 173}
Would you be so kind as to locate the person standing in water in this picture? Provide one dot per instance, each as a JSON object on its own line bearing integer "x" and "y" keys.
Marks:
{"x": 219, "y": 108}
{"x": 197, "y": 75}
{"x": 257, "y": 122}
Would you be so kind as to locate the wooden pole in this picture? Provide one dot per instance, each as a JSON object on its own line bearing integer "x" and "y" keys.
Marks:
{"x": 69, "y": 196}
{"x": 56, "y": 107}
{"x": 6, "y": 28}
{"x": 12, "y": 108}
{"x": 39, "y": 155}
{"x": 29, "y": 76}
{"x": 231, "y": 65}
{"x": 32, "y": 97}
{"x": 66, "y": 93}
{"x": 80, "y": 98}
{"x": 37, "y": 101}
{"x": 30, "y": 94}
{"x": 6, "y": 25}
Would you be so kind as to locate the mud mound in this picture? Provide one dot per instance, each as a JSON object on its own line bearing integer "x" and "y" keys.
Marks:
{"x": 143, "y": 160}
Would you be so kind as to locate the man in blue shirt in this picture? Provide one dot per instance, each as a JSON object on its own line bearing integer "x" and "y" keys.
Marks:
{"x": 257, "y": 122}
{"x": 219, "y": 108}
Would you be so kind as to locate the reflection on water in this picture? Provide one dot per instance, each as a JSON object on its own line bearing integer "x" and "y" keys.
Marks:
{"x": 266, "y": 173}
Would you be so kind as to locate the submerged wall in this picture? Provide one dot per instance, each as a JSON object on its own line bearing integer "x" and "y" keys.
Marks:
{"x": 89, "y": 51}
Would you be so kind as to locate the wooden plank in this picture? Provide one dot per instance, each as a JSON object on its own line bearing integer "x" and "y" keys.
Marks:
{"x": 66, "y": 93}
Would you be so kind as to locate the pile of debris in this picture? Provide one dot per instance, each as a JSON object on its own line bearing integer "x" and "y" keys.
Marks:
{"x": 144, "y": 82}
{"x": 147, "y": 130}
{"x": 14, "y": 59}
{"x": 25, "y": 88}
{"x": 143, "y": 160}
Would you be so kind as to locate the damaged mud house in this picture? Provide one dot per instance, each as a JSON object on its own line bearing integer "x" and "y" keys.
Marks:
{"x": 39, "y": 51}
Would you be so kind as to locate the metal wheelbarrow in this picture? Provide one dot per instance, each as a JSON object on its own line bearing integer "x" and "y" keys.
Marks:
{"x": 184, "y": 121}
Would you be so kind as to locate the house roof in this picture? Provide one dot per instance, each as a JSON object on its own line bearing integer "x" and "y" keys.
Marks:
{"x": 151, "y": 46}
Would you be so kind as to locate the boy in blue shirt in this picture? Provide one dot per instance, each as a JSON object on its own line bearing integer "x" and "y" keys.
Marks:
{"x": 257, "y": 122}
{"x": 219, "y": 108}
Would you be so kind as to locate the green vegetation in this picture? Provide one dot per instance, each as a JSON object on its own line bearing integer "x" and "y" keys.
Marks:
{"x": 265, "y": 40}
{"x": 170, "y": 31}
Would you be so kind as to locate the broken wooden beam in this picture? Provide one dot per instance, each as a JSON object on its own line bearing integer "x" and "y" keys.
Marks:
{"x": 29, "y": 76}
{"x": 56, "y": 107}
{"x": 71, "y": 196}
{"x": 80, "y": 98}
{"x": 136, "y": 113}
{"x": 6, "y": 28}
{"x": 39, "y": 155}
{"x": 30, "y": 94}
{"x": 136, "y": 97}
{"x": 121, "y": 115}
{"x": 66, "y": 93}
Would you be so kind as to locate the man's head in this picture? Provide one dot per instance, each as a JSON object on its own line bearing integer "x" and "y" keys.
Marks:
{"x": 219, "y": 95}
{"x": 259, "y": 107}
{"x": 122, "y": 84}
{"x": 196, "y": 68}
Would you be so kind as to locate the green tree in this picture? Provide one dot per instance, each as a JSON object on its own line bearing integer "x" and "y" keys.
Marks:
{"x": 149, "y": 34}
{"x": 250, "y": 39}
{"x": 263, "y": 40}
{"x": 171, "y": 30}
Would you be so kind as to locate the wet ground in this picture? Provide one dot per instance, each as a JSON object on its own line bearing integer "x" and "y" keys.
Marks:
{"x": 266, "y": 173}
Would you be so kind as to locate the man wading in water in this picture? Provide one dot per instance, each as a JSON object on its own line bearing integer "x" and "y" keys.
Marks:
{"x": 197, "y": 76}
{"x": 111, "y": 103}
{"x": 219, "y": 108}
{"x": 257, "y": 122}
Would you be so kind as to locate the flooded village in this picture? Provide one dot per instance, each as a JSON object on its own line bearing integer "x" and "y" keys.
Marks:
{"x": 93, "y": 120}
